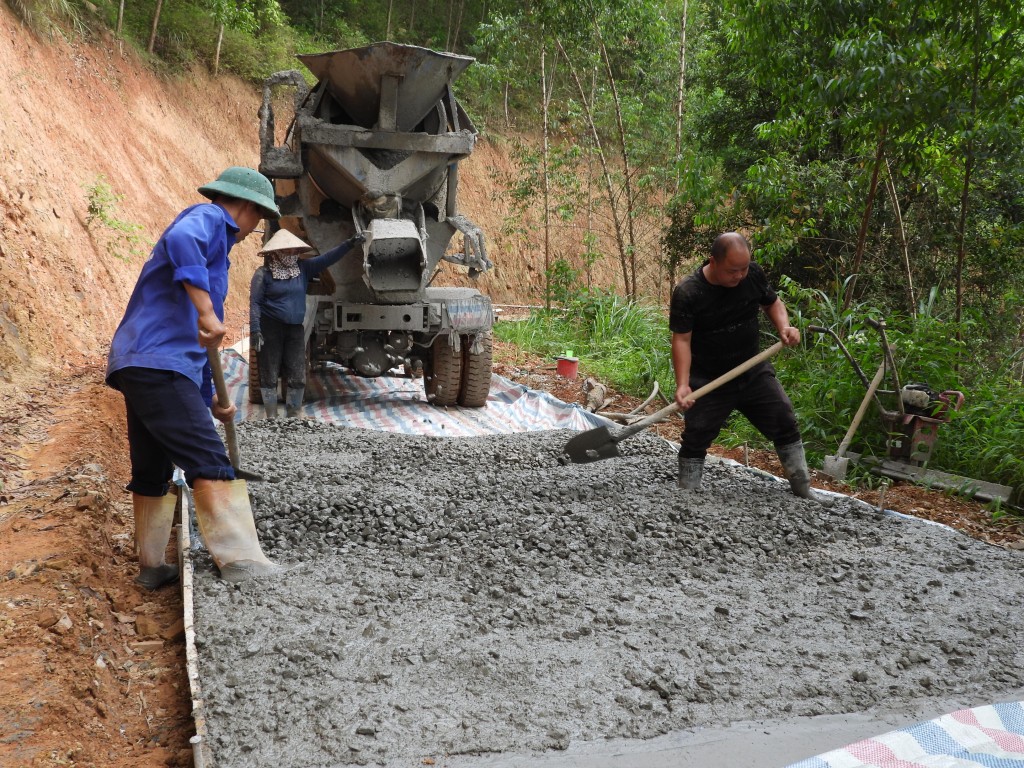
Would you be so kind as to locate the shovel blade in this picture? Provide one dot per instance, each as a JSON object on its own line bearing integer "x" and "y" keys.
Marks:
{"x": 592, "y": 445}
{"x": 835, "y": 467}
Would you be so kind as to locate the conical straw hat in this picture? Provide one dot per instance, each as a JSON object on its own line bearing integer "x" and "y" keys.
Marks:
{"x": 283, "y": 240}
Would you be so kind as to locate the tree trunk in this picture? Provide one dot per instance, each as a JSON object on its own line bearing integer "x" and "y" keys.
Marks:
{"x": 680, "y": 111}
{"x": 965, "y": 197}
{"x": 961, "y": 247}
{"x": 890, "y": 185}
{"x": 120, "y": 19}
{"x": 605, "y": 169}
{"x": 216, "y": 55}
{"x": 627, "y": 171}
{"x": 590, "y": 193}
{"x": 869, "y": 204}
{"x": 681, "y": 92}
{"x": 387, "y": 32}
{"x": 546, "y": 185}
{"x": 458, "y": 23}
{"x": 156, "y": 23}
{"x": 448, "y": 26}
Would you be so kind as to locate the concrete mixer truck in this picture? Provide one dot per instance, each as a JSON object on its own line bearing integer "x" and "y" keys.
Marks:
{"x": 374, "y": 147}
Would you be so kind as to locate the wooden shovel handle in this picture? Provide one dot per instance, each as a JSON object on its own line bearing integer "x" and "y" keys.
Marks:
{"x": 711, "y": 386}
{"x": 859, "y": 416}
{"x": 213, "y": 355}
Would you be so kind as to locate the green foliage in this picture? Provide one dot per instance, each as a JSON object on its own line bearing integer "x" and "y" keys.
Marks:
{"x": 794, "y": 98}
{"x": 121, "y": 238}
{"x": 50, "y": 17}
{"x": 622, "y": 343}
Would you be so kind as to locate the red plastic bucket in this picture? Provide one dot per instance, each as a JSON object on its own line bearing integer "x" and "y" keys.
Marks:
{"x": 568, "y": 367}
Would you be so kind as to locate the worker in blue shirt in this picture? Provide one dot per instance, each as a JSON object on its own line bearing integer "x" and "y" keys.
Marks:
{"x": 158, "y": 361}
{"x": 277, "y": 306}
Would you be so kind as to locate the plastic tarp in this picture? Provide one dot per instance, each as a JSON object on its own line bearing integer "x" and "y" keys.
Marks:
{"x": 983, "y": 737}
{"x": 399, "y": 404}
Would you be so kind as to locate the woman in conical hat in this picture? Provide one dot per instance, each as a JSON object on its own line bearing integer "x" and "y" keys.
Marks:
{"x": 277, "y": 305}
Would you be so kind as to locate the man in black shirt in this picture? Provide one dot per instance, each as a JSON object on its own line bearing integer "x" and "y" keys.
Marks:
{"x": 714, "y": 322}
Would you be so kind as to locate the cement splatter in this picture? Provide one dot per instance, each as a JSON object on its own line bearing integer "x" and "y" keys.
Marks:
{"x": 481, "y": 595}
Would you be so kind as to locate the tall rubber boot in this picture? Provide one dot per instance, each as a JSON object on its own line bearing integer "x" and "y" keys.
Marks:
{"x": 154, "y": 516}
{"x": 794, "y": 464}
{"x": 293, "y": 401}
{"x": 690, "y": 471}
{"x": 269, "y": 401}
{"x": 225, "y": 521}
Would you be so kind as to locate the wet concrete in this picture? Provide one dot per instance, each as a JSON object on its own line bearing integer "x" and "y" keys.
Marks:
{"x": 480, "y": 596}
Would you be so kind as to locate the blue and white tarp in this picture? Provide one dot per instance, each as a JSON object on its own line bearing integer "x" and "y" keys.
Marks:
{"x": 399, "y": 404}
{"x": 982, "y": 737}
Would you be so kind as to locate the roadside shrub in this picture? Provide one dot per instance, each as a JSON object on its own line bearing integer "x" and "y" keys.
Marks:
{"x": 108, "y": 231}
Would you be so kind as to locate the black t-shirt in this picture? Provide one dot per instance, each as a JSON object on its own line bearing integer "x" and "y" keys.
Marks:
{"x": 724, "y": 321}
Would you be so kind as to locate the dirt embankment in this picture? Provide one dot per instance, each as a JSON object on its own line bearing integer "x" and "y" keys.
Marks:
{"x": 79, "y": 115}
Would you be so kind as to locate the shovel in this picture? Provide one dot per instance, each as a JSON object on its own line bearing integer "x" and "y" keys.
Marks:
{"x": 229, "y": 426}
{"x": 835, "y": 466}
{"x": 600, "y": 443}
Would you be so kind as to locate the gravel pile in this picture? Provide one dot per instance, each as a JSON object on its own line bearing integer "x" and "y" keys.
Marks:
{"x": 473, "y": 595}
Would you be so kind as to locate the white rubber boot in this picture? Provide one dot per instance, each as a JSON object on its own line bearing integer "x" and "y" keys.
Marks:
{"x": 293, "y": 401}
{"x": 690, "y": 471}
{"x": 154, "y": 517}
{"x": 225, "y": 521}
{"x": 269, "y": 401}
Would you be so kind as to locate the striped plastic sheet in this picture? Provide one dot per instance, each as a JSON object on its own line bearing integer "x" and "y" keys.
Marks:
{"x": 399, "y": 404}
{"x": 982, "y": 737}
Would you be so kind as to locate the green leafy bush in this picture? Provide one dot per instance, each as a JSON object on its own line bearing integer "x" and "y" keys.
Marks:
{"x": 119, "y": 237}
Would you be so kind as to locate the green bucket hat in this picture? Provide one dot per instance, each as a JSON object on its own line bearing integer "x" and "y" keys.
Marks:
{"x": 245, "y": 184}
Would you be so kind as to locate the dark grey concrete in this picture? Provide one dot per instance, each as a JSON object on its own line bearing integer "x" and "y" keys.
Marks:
{"x": 474, "y": 596}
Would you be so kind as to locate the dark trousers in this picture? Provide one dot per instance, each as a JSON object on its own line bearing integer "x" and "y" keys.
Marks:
{"x": 756, "y": 394}
{"x": 283, "y": 354}
{"x": 168, "y": 425}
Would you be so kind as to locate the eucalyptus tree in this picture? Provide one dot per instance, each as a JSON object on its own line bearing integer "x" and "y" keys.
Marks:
{"x": 248, "y": 16}
{"x": 610, "y": 81}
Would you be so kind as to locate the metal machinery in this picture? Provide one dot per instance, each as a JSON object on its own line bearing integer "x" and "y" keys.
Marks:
{"x": 373, "y": 147}
{"x": 912, "y": 428}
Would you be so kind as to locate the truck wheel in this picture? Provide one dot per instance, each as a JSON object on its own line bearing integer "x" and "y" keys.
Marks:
{"x": 443, "y": 379}
{"x": 255, "y": 396}
{"x": 476, "y": 371}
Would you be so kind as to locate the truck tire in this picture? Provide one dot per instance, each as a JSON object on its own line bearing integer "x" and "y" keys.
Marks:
{"x": 442, "y": 381}
{"x": 476, "y": 371}
{"x": 255, "y": 396}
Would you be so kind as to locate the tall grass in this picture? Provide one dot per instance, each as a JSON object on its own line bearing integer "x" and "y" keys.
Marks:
{"x": 622, "y": 343}
{"x": 626, "y": 345}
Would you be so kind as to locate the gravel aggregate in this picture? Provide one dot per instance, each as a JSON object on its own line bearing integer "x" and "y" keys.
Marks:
{"x": 454, "y": 596}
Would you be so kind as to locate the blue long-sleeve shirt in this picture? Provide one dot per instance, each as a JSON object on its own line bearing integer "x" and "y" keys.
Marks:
{"x": 160, "y": 327}
{"x": 285, "y": 300}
